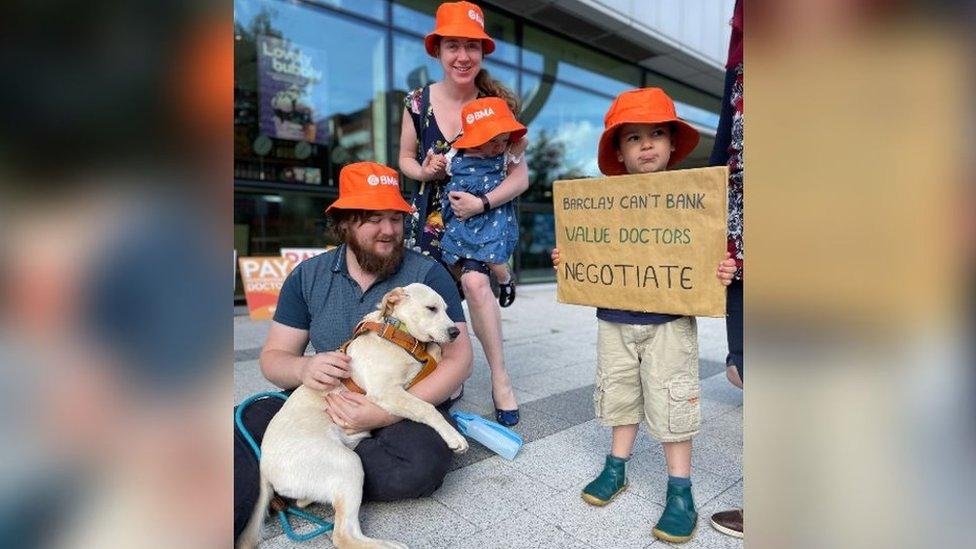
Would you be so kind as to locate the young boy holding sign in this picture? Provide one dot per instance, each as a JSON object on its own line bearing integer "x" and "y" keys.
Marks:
{"x": 648, "y": 362}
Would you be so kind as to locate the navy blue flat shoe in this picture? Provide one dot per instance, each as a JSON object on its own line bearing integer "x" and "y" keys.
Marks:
{"x": 508, "y": 418}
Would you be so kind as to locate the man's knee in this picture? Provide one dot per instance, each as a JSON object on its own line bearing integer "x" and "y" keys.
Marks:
{"x": 422, "y": 460}
{"x": 417, "y": 479}
{"x": 258, "y": 415}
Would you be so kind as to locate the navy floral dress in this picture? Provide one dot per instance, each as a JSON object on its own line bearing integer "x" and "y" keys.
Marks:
{"x": 491, "y": 236}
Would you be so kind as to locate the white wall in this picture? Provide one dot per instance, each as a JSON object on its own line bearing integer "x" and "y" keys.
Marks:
{"x": 697, "y": 27}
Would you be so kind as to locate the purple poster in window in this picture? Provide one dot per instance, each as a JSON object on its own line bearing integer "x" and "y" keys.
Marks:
{"x": 291, "y": 91}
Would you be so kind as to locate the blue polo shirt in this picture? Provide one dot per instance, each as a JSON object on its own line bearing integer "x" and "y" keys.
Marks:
{"x": 320, "y": 296}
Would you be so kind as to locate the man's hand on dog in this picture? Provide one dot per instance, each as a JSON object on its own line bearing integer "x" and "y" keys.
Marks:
{"x": 325, "y": 371}
{"x": 355, "y": 413}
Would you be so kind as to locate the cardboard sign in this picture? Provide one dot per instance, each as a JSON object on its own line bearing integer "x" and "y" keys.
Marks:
{"x": 301, "y": 254}
{"x": 263, "y": 277}
{"x": 648, "y": 242}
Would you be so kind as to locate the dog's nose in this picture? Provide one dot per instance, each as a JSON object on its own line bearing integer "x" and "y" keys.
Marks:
{"x": 453, "y": 332}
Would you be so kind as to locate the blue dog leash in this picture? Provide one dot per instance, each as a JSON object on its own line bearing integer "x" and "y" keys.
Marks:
{"x": 324, "y": 525}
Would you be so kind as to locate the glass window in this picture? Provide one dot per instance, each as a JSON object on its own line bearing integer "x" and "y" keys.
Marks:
{"x": 537, "y": 238}
{"x": 414, "y": 15}
{"x": 569, "y": 62}
{"x": 691, "y": 104}
{"x": 501, "y": 29}
{"x": 699, "y": 157}
{"x": 503, "y": 74}
{"x": 265, "y": 221}
{"x": 375, "y": 9}
{"x": 690, "y": 113}
{"x": 532, "y": 96}
{"x": 268, "y": 220}
{"x": 564, "y": 129}
{"x": 295, "y": 120}
{"x": 412, "y": 67}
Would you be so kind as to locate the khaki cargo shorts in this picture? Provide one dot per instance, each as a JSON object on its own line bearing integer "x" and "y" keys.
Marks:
{"x": 649, "y": 372}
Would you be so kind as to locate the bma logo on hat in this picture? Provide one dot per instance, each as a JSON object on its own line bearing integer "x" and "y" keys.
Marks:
{"x": 478, "y": 115}
{"x": 475, "y": 17}
{"x": 375, "y": 180}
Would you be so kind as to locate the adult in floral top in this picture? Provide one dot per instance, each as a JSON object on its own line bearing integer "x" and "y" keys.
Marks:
{"x": 430, "y": 114}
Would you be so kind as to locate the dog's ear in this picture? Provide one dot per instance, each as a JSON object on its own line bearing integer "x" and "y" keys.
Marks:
{"x": 390, "y": 300}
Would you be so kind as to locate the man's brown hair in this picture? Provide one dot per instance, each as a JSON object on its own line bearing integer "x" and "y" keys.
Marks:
{"x": 340, "y": 219}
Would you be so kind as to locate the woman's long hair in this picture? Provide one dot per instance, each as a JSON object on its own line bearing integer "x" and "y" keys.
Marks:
{"x": 490, "y": 87}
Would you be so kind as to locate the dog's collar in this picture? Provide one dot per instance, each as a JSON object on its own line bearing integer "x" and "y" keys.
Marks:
{"x": 393, "y": 330}
{"x": 396, "y": 323}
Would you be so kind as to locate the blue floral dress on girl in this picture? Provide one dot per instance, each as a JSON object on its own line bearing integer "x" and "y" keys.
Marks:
{"x": 477, "y": 164}
{"x": 489, "y": 237}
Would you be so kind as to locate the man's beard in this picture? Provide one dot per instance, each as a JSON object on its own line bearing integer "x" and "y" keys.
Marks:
{"x": 382, "y": 266}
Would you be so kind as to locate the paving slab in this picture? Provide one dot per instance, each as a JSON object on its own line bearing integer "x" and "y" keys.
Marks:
{"x": 490, "y": 492}
{"x": 623, "y": 524}
{"x": 523, "y": 531}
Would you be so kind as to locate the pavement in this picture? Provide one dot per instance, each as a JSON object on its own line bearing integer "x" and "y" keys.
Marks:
{"x": 533, "y": 501}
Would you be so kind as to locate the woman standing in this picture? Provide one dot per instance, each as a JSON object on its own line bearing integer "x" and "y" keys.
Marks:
{"x": 431, "y": 120}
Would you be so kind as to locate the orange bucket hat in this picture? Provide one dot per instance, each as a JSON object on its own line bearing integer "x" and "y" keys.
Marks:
{"x": 643, "y": 106}
{"x": 462, "y": 19}
{"x": 485, "y": 118}
{"x": 369, "y": 186}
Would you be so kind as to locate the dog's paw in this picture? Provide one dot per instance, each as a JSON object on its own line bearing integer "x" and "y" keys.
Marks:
{"x": 390, "y": 544}
{"x": 457, "y": 443}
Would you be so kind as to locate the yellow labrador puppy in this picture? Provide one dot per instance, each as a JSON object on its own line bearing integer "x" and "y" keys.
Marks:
{"x": 307, "y": 457}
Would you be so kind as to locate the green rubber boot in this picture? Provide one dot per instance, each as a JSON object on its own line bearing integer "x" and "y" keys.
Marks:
{"x": 608, "y": 484}
{"x": 678, "y": 521}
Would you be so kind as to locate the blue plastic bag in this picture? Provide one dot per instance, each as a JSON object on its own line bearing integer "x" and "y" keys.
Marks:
{"x": 496, "y": 437}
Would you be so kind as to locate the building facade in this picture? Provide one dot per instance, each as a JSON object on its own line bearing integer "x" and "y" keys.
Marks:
{"x": 320, "y": 84}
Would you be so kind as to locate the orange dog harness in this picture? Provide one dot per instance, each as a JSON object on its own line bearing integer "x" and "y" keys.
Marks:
{"x": 390, "y": 332}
